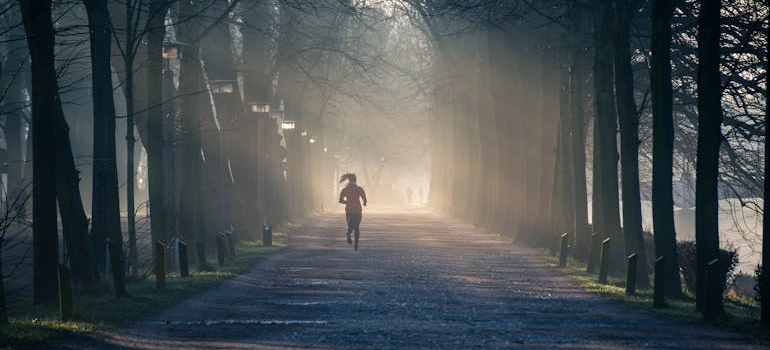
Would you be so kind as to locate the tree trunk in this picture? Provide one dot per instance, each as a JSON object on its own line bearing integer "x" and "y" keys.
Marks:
{"x": 499, "y": 93}
{"x": 566, "y": 185}
{"x": 228, "y": 107}
{"x": 131, "y": 18}
{"x": 131, "y": 172}
{"x": 40, "y": 40}
{"x": 472, "y": 113}
{"x": 257, "y": 87}
{"x": 707, "y": 164}
{"x": 663, "y": 144}
{"x": 442, "y": 139}
{"x": 73, "y": 216}
{"x": 105, "y": 209}
{"x": 128, "y": 55}
{"x": 462, "y": 151}
{"x": 606, "y": 127}
{"x": 629, "y": 142}
{"x": 490, "y": 142}
{"x": 3, "y": 309}
{"x": 541, "y": 161}
{"x": 194, "y": 104}
{"x": 13, "y": 108}
{"x": 764, "y": 276}
{"x": 155, "y": 163}
{"x": 577, "y": 135}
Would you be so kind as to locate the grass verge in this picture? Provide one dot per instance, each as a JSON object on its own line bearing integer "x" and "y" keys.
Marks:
{"x": 30, "y": 325}
{"x": 741, "y": 313}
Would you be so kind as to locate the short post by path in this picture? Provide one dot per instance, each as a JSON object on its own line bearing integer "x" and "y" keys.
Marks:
{"x": 221, "y": 249}
{"x": 563, "y": 250}
{"x": 116, "y": 265}
{"x": 604, "y": 264}
{"x": 267, "y": 236}
{"x": 659, "y": 299}
{"x": 201, "y": 251}
{"x": 65, "y": 293}
{"x": 160, "y": 265}
{"x": 593, "y": 252}
{"x": 631, "y": 274}
{"x": 711, "y": 308}
{"x": 181, "y": 253}
{"x": 230, "y": 242}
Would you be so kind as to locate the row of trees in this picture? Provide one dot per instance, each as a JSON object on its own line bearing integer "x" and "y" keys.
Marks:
{"x": 524, "y": 91}
{"x": 216, "y": 159}
{"x": 527, "y": 100}
{"x": 206, "y": 161}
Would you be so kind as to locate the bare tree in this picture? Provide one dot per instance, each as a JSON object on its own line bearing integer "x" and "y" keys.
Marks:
{"x": 154, "y": 123}
{"x": 12, "y": 221}
{"x": 629, "y": 141}
{"x": 663, "y": 144}
{"x": 106, "y": 205}
{"x": 36, "y": 16}
{"x": 764, "y": 272}
{"x": 607, "y": 223}
{"x": 708, "y": 292}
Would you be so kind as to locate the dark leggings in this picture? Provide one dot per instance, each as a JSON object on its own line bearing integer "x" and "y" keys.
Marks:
{"x": 354, "y": 220}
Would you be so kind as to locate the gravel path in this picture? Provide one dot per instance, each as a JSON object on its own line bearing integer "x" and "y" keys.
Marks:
{"x": 418, "y": 281}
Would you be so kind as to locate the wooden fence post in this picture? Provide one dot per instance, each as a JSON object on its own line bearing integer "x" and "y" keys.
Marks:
{"x": 711, "y": 306}
{"x": 631, "y": 275}
{"x": 604, "y": 263}
{"x": 563, "y": 250}
{"x": 221, "y": 249}
{"x": 181, "y": 251}
{"x": 659, "y": 299}
{"x": 267, "y": 236}
{"x": 593, "y": 252}
{"x": 116, "y": 265}
{"x": 160, "y": 265}
{"x": 65, "y": 293}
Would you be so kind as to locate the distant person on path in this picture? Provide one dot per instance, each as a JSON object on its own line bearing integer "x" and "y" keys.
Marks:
{"x": 351, "y": 196}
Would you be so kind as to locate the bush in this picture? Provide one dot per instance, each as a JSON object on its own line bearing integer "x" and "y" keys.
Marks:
{"x": 728, "y": 259}
{"x": 761, "y": 286}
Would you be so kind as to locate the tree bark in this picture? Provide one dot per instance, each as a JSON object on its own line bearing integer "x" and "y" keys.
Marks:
{"x": 606, "y": 126}
{"x": 707, "y": 164}
{"x": 132, "y": 37}
{"x": 577, "y": 135}
{"x": 105, "y": 209}
{"x": 36, "y": 16}
{"x": 73, "y": 216}
{"x": 764, "y": 277}
{"x": 13, "y": 106}
{"x": 228, "y": 107}
{"x": 499, "y": 94}
{"x": 490, "y": 142}
{"x": 541, "y": 160}
{"x": 194, "y": 105}
{"x": 663, "y": 144}
{"x": 155, "y": 163}
{"x": 629, "y": 142}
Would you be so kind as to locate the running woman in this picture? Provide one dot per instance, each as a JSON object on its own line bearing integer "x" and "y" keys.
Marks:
{"x": 351, "y": 196}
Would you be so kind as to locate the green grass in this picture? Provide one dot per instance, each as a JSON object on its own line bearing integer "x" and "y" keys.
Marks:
{"x": 30, "y": 325}
{"x": 741, "y": 312}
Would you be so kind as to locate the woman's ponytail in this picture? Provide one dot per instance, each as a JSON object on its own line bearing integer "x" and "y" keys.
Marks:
{"x": 349, "y": 176}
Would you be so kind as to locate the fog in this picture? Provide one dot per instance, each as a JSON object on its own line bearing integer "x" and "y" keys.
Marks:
{"x": 488, "y": 111}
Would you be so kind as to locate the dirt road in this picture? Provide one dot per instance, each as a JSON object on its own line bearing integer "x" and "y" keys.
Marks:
{"x": 418, "y": 281}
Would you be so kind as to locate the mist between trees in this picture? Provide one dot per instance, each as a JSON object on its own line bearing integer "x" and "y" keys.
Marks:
{"x": 517, "y": 116}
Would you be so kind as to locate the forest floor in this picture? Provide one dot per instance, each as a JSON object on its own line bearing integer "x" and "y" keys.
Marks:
{"x": 419, "y": 280}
